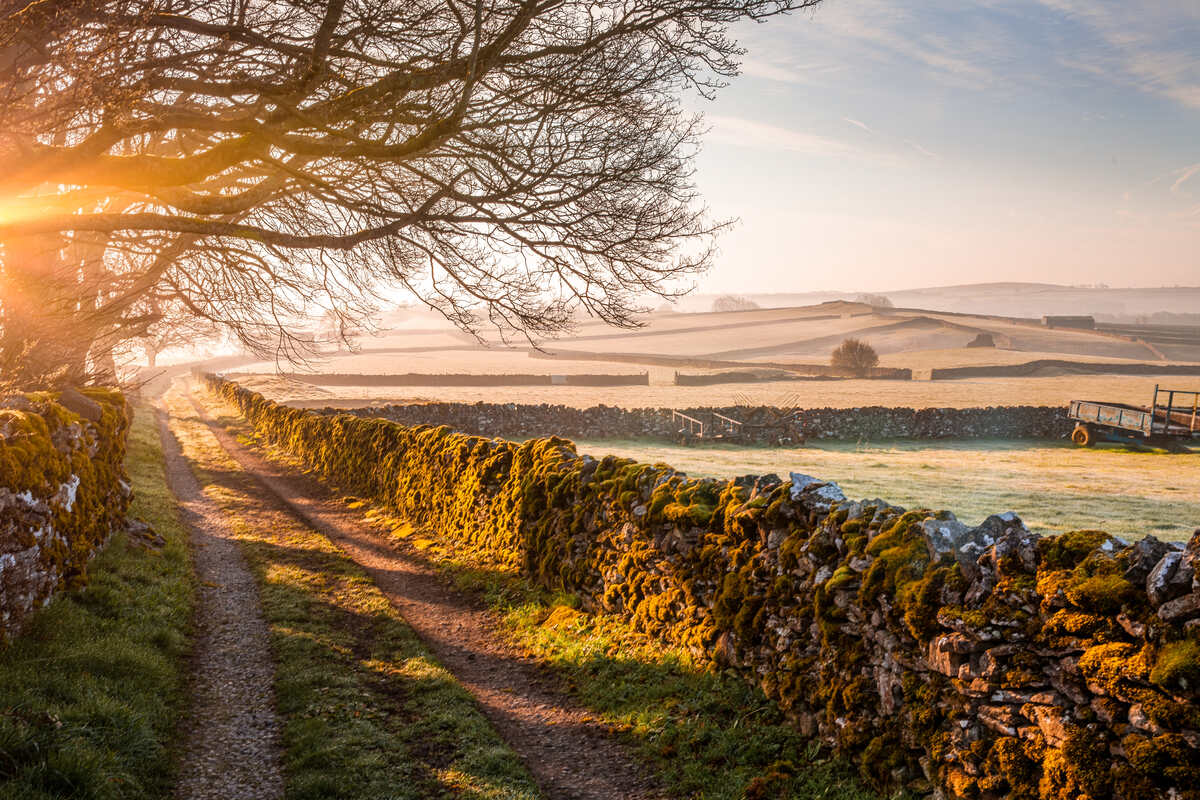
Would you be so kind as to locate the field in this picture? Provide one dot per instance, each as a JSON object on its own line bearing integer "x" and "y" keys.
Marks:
{"x": 1052, "y": 487}
{"x": 963, "y": 393}
{"x": 770, "y": 339}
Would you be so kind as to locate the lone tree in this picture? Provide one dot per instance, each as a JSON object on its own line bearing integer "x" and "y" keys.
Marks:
{"x": 854, "y": 356}
{"x": 876, "y": 300}
{"x": 258, "y": 161}
{"x": 733, "y": 302}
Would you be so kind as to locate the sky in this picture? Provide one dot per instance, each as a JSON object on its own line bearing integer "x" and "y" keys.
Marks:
{"x": 874, "y": 145}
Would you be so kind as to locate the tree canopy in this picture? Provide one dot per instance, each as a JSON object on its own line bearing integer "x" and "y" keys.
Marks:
{"x": 509, "y": 161}
{"x": 854, "y": 356}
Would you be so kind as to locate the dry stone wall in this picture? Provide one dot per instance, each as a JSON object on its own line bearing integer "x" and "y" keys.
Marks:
{"x": 63, "y": 490}
{"x": 475, "y": 379}
{"x": 762, "y": 425}
{"x": 964, "y": 662}
{"x": 1059, "y": 367}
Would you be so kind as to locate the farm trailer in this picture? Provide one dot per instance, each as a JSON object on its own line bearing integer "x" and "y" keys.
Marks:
{"x": 1172, "y": 420}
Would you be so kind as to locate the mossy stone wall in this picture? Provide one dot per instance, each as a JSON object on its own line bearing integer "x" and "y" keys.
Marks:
{"x": 968, "y": 662}
{"x": 63, "y": 490}
{"x": 762, "y": 425}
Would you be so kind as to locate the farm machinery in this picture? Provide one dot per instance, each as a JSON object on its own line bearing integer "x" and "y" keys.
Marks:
{"x": 1171, "y": 421}
{"x": 720, "y": 428}
{"x": 773, "y": 424}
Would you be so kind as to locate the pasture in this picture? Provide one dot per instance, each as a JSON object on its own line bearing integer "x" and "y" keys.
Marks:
{"x": 961, "y": 393}
{"x": 1053, "y": 487}
{"x": 770, "y": 338}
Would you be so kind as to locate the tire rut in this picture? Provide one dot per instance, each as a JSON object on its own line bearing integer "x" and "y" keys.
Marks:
{"x": 570, "y": 756}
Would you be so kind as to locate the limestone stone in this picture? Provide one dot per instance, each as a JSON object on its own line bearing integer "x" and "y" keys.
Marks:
{"x": 1170, "y": 578}
{"x": 1181, "y": 608}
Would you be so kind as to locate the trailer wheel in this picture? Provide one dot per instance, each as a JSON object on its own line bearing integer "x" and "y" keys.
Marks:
{"x": 1082, "y": 436}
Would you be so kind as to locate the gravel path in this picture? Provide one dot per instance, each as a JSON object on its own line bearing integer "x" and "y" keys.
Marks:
{"x": 570, "y": 756}
{"x": 231, "y": 741}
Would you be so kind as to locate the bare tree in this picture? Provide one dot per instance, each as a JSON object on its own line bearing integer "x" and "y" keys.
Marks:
{"x": 854, "y": 356}
{"x": 876, "y": 300}
{"x": 510, "y": 161}
{"x": 174, "y": 327}
{"x": 733, "y": 302}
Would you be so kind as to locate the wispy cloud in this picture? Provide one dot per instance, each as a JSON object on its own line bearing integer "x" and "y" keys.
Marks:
{"x": 877, "y": 30}
{"x": 764, "y": 136}
{"x": 891, "y": 140}
{"x": 774, "y": 61}
{"x": 923, "y": 151}
{"x": 1151, "y": 46}
{"x": 858, "y": 124}
{"x": 761, "y": 68}
{"x": 1183, "y": 175}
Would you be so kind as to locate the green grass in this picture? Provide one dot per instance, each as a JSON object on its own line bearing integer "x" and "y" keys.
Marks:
{"x": 367, "y": 711}
{"x": 91, "y": 692}
{"x": 708, "y": 735}
{"x": 1053, "y": 487}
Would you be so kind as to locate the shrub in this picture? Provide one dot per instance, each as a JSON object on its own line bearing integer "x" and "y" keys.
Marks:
{"x": 855, "y": 356}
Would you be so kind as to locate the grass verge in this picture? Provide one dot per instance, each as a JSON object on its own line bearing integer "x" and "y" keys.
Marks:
{"x": 708, "y": 735}
{"x": 367, "y": 711}
{"x": 91, "y": 691}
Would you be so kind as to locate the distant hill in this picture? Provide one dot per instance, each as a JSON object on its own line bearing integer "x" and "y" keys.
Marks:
{"x": 1031, "y": 300}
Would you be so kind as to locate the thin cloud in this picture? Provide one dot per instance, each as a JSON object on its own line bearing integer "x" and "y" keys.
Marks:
{"x": 914, "y": 145}
{"x": 1139, "y": 48}
{"x": 923, "y": 151}
{"x": 781, "y": 68}
{"x": 1185, "y": 174}
{"x": 886, "y": 28}
{"x": 764, "y": 136}
{"x": 862, "y": 125}
{"x": 757, "y": 68}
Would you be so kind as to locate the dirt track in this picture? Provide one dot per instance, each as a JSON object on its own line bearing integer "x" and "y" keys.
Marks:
{"x": 569, "y": 755}
{"x": 231, "y": 740}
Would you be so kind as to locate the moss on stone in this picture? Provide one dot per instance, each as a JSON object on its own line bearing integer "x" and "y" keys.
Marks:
{"x": 1066, "y": 550}
{"x": 74, "y": 469}
{"x": 1177, "y": 666}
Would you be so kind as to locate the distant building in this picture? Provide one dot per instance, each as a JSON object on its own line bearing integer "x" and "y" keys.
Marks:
{"x": 1081, "y": 322}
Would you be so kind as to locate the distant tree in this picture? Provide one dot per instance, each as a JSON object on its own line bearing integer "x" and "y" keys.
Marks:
{"x": 335, "y": 329}
{"x": 733, "y": 302}
{"x": 854, "y": 356}
{"x": 876, "y": 300}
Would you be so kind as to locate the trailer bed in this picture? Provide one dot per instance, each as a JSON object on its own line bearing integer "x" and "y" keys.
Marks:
{"x": 1174, "y": 415}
